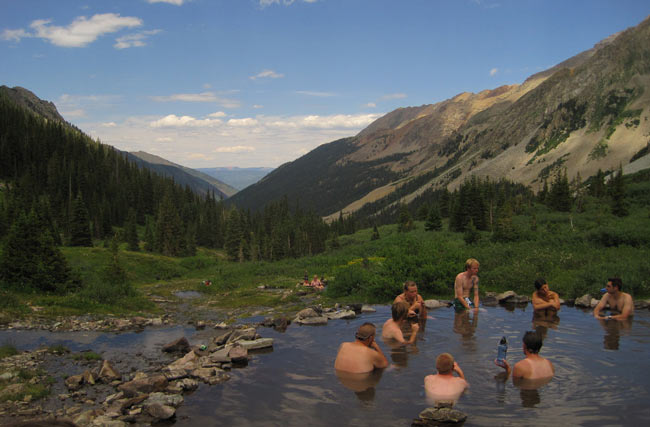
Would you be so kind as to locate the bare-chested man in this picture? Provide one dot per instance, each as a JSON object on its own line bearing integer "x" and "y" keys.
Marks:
{"x": 444, "y": 386}
{"x": 545, "y": 300}
{"x": 463, "y": 285}
{"x": 534, "y": 368}
{"x": 414, "y": 300}
{"x": 362, "y": 355}
{"x": 392, "y": 329}
{"x": 619, "y": 303}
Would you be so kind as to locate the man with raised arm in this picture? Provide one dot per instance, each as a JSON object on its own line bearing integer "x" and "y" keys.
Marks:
{"x": 534, "y": 366}
{"x": 361, "y": 355}
{"x": 619, "y": 303}
{"x": 414, "y": 300}
{"x": 544, "y": 300}
{"x": 465, "y": 282}
{"x": 444, "y": 386}
{"x": 392, "y": 329}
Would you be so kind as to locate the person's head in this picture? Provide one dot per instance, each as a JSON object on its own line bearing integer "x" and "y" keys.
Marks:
{"x": 445, "y": 363}
{"x": 532, "y": 342}
{"x": 400, "y": 311}
{"x": 471, "y": 265}
{"x": 541, "y": 285}
{"x": 366, "y": 333}
{"x": 315, "y": 277}
{"x": 614, "y": 284}
{"x": 410, "y": 289}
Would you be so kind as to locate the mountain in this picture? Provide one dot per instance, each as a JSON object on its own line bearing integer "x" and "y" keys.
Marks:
{"x": 28, "y": 100}
{"x": 239, "y": 178}
{"x": 587, "y": 113}
{"x": 199, "y": 182}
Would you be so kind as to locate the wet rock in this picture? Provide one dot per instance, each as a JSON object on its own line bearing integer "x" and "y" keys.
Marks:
{"x": 189, "y": 361}
{"x": 594, "y": 302}
{"x": 144, "y": 385}
{"x": 256, "y": 344}
{"x": 307, "y": 313}
{"x": 85, "y": 418}
{"x": 432, "y": 304}
{"x": 490, "y": 299}
{"x": 174, "y": 374}
{"x": 242, "y": 334}
{"x": 200, "y": 325}
{"x": 439, "y": 415}
{"x": 161, "y": 412}
{"x": 322, "y": 320}
{"x": 108, "y": 373}
{"x": 74, "y": 382}
{"x": 238, "y": 354}
{"x": 113, "y": 397}
{"x": 365, "y": 308}
{"x": 279, "y": 323}
{"x": 105, "y": 421}
{"x": 641, "y": 304}
{"x": 186, "y": 384}
{"x": 519, "y": 299}
{"x": 343, "y": 314}
{"x": 221, "y": 325}
{"x": 584, "y": 301}
{"x": 164, "y": 399}
{"x": 127, "y": 403}
{"x": 505, "y": 296}
{"x": 180, "y": 345}
{"x": 220, "y": 356}
{"x": 223, "y": 338}
{"x": 88, "y": 378}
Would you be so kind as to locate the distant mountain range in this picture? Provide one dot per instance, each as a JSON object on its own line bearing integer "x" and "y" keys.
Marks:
{"x": 239, "y": 178}
{"x": 587, "y": 113}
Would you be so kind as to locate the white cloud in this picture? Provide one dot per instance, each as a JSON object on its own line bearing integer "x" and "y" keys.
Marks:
{"x": 493, "y": 72}
{"x": 247, "y": 122}
{"x": 257, "y": 106}
{"x": 370, "y": 105}
{"x": 217, "y": 114}
{"x": 235, "y": 149}
{"x": 109, "y": 124}
{"x": 173, "y": 120}
{"x": 199, "y": 97}
{"x": 134, "y": 40}
{"x": 317, "y": 94}
{"x": 81, "y": 32}
{"x": 74, "y": 113}
{"x": 164, "y": 139}
{"x": 174, "y": 2}
{"x": 270, "y": 74}
{"x": 14, "y": 35}
{"x": 265, "y": 3}
{"x": 394, "y": 96}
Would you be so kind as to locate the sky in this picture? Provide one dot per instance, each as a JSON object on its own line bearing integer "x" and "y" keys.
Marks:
{"x": 257, "y": 83}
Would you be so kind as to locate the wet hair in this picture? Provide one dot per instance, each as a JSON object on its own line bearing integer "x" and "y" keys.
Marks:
{"x": 533, "y": 341}
{"x": 616, "y": 281}
{"x": 408, "y": 284}
{"x": 445, "y": 363}
{"x": 399, "y": 310}
{"x": 539, "y": 283}
{"x": 470, "y": 262}
{"x": 365, "y": 331}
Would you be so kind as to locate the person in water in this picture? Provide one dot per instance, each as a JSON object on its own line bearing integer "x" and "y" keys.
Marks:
{"x": 544, "y": 300}
{"x": 444, "y": 386}
{"x": 463, "y": 285}
{"x": 534, "y": 366}
{"x": 620, "y": 304}
{"x": 316, "y": 284}
{"x": 392, "y": 329}
{"x": 361, "y": 355}
{"x": 416, "y": 303}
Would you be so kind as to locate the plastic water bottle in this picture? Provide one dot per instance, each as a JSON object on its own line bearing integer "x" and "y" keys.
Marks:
{"x": 502, "y": 349}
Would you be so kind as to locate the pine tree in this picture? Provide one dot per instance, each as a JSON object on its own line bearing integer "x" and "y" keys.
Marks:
{"x": 233, "y": 235}
{"x": 471, "y": 234}
{"x": 79, "y": 224}
{"x": 423, "y": 212}
{"x": 617, "y": 193}
{"x": 504, "y": 230}
{"x": 131, "y": 231}
{"x": 375, "y": 233}
{"x": 169, "y": 236}
{"x": 405, "y": 222}
{"x": 560, "y": 195}
{"x": 434, "y": 221}
{"x": 148, "y": 235}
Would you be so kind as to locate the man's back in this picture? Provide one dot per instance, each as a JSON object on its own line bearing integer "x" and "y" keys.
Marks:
{"x": 354, "y": 358}
{"x": 442, "y": 387}
{"x": 532, "y": 368}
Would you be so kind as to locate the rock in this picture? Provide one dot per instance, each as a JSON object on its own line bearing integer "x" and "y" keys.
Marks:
{"x": 107, "y": 373}
{"x": 519, "y": 299}
{"x": 174, "y": 374}
{"x": 220, "y": 356}
{"x": 279, "y": 323}
{"x": 180, "y": 345}
{"x": 584, "y": 301}
{"x": 88, "y": 377}
{"x": 344, "y": 314}
{"x": 307, "y": 313}
{"x": 256, "y": 344}
{"x": 221, "y": 325}
{"x": 85, "y": 418}
{"x": 200, "y": 325}
{"x": 105, "y": 421}
{"x": 435, "y": 416}
{"x": 238, "y": 354}
{"x": 431, "y": 304}
{"x": 504, "y": 296}
{"x": 144, "y": 385}
{"x": 594, "y": 302}
{"x": 365, "y": 308}
{"x": 127, "y": 403}
{"x": 312, "y": 321}
{"x": 356, "y": 307}
{"x": 186, "y": 384}
{"x": 242, "y": 334}
{"x": 223, "y": 338}
{"x": 641, "y": 304}
{"x": 156, "y": 321}
{"x": 490, "y": 300}
{"x": 74, "y": 382}
{"x": 12, "y": 389}
{"x": 562, "y": 302}
{"x": 174, "y": 400}
{"x": 203, "y": 373}
{"x": 189, "y": 361}
{"x": 161, "y": 412}
{"x": 113, "y": 397}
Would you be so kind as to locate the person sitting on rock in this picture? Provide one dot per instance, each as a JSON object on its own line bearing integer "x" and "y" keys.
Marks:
{"x": 316, "y": 284}
{"x": 444, "y": 387}
{"x": 392, "y": 329}
{"x": 414, "y": 300}
{"x": 534, "y": 369}
{"x": 545, "y": 300}
{"x": 620, "y": 304}
{"x": 361, "y": 355}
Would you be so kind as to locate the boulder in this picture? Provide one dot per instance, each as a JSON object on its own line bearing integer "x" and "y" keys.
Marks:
{"x": 505, "y": 296}
{"x": 594, "y": 302}
{"x": 220, "y": 356}
{"x": 223, "y": 338}
{"x": 365, "y": 308}
{"x": 88, "y": 377}
{"x": 180, "y": 345}
{"x": 161, "y": 412}
{"x": 321, "y": 320}
{"x": 490, "y": 299}
{"x": 164, "y": 399}
{"x": 242, "y": 334}
{"x": 74, "y": 382}
{"x": 256, "y": 344}
{"x": 189, "y": 361}
{"x": 584, "y": 301}
{"x": 108, "y": 373}
{"x": 238, "y": 354}
{"x": 431, "y": 304}
{"x": 641, "y": 304}
{"x": 343, "y": 314}
{"x": 436, "y": 416}
{"x": 144, "y": 385}
{"x": 174, "y": 374}
{"x": 307, "y": 313}
{"x": 105, "y": 421}
{"x": 519, "y": 299}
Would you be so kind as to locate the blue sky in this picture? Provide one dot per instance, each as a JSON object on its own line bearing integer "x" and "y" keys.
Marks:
{"x": 208, "y": 83}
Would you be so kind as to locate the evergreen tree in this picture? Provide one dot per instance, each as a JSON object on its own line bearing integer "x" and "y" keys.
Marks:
{"x": 543, "y": 193}
{"x": 597, "y": 187}
{"x": 560, "y": 195}
{"x": 434, "y": 221}
{"x": 471, "y": 234}
{"x": 423, "y": 212}
{"x": 233, "y": 235}
{"x": 405, "y": 222}
{"x": 375, "y": 233}
{"x": 131, "y": 232}
{"x": 169, "y": 236}
{"x": 148, "y": 235}
{"x": 617, "y": 193}
{"x": 79, "y": 224}
{"x": 504, "y": 230}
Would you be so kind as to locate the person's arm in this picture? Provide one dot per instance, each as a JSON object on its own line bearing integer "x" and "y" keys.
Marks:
{"x": 555, "y": 300}
{"x": 414, "y": 333}
{"x": 505, "y": 365}
{"x": 475, "y": 282}
{"x": 521, "y": 370}
{"x": 601, "y": 305}
{"x": 539, "y": 303}
{"x": 458, "y": 371}
{"x": 627, "y": 310}
{"x": 380, "y": 360}
{"x": 458, "y": 290}
{"x": 423, "y": 309}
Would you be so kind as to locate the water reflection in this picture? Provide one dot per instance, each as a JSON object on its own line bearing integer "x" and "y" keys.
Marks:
{"x": 465, "y": 325}
{"x": 613, "y": 331}
{"x": 363, "y": 385}
{"x": 542, "y": 321}
{"x": 399, "y": 353}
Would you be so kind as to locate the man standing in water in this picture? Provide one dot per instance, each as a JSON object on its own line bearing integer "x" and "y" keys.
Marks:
{"x": 620, "y": 303}
{"x": 362, "y": 355}
{"x": 545, "y": 301}
{"x": 444, "y": 386}
{"x": 534, "y": 366}
{"x": 463, "y": 285}
{"x": 392, "y": 329}
{"x": 414, "y": 300}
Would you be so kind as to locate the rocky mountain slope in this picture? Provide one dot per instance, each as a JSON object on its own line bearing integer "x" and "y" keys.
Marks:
{"x": 587, "y": 113}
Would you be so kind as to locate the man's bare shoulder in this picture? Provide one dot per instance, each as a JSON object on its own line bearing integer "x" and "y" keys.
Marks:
{"x": 399, "y": 298}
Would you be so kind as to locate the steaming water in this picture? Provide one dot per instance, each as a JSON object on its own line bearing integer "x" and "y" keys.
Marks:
{"x": 601, "y": 372}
